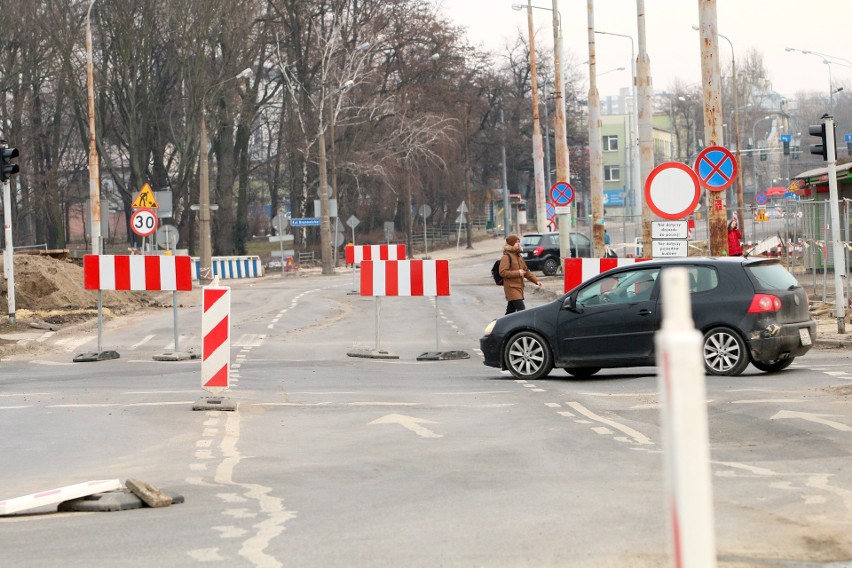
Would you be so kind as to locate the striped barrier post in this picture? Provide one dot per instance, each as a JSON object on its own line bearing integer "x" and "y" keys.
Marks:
{"x": 135, "y": 273}
{"x": 405, "y": 278}
{"x": 359, "y": 253}
{"x": 578, "y": 270}
{"x": 216, "y": 338}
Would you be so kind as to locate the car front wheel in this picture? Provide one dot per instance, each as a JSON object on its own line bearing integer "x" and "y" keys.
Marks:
{"x": 528, "y": 356}
{"x": 773, "y": 366}
{"x": 724, "y": 352}
{"x": 551, "y": 266}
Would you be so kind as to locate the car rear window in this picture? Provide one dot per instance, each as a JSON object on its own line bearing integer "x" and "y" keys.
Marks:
{"x": 772, "y": 276}
{"x": 530, "y": 240}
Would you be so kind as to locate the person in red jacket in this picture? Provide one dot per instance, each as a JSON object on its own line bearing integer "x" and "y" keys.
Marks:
{"x": 735, "y": 247}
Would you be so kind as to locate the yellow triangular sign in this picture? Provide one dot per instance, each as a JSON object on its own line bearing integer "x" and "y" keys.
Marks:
{"x": 145, "y": 199}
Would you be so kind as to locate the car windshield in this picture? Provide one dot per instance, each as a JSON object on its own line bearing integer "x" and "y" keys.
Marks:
{"x": 773, "y": 276}
{"x": 531, "y": 240}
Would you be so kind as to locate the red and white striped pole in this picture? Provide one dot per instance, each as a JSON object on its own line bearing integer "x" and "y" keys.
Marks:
{"x": 216, "y": 338}
{"x": 686, "y": 446}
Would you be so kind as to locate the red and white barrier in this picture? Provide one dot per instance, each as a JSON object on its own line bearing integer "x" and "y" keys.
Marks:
{"x": 683, "y": 413}
{"x": 578, "y": 270}
{"x": 137, "y": 272}
{"x": 405, "y": 278}
{"x": 58, "y": 495}
{"x": 360, "y": 253}
{"x": 216, "y": 338}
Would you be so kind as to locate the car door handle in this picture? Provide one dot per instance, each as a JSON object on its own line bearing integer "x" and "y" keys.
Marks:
{"x": 645, "y": 312}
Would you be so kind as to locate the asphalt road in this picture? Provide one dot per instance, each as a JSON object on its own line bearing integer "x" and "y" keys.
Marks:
{"x": 332, "y": 460}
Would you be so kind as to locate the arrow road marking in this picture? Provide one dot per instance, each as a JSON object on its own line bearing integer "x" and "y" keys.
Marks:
{"x": 410, "y": 423}
{"x": 818, "y": 418}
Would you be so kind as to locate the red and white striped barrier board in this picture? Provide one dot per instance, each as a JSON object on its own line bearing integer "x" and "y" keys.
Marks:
{"x": 58, "y": 495}
{"x": 578, "y": 270}
{"x": 216, "y": 338}
{"x": 405, "y": 278}
{"x": 137, "y": 272}
{"x": 360, "y": 253}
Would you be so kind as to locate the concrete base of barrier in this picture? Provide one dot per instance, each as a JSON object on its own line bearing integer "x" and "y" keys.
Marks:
{"x": 372, "y": 354}
{"x": 215, "y": 403}
{"x": 176, "y": 356}
{"x": 443, "y": 356}
{"x": 111, "y": 501}
{"x": 92, "y": 356}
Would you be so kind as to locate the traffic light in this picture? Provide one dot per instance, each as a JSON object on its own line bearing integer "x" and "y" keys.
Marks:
{"x": 786, "y": 148}
{"x": 7, "y": 168}
{"x": 822, "y": 148}
{"x": 795, "y": 151}
{"x": 763, "y": 154}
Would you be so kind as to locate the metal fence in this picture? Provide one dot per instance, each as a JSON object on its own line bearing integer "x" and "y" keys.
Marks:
{"x": 802, "y": 228}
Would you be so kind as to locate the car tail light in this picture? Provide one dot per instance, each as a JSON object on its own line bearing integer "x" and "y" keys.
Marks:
{"x": 537, "y": 251}
{"x": 764, "y": 303}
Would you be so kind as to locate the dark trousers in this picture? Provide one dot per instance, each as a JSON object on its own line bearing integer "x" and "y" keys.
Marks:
{"x": 515, "y": 306}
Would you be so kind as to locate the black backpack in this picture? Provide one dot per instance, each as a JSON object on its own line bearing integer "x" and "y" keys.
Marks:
{"x": 495, "y": 271}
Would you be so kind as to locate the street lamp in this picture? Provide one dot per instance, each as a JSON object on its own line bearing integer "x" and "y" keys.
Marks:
{"x": 205, "y": 271}
{"x": 94, "y": 172}
{"x": 735, "y": 89}
{"x": 828, "y": 60}
{"x": 636, "y": 198}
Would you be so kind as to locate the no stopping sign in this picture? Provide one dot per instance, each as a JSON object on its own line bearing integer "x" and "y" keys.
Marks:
{"x": 672, "y": 190}
{"x": 143, "y": 222}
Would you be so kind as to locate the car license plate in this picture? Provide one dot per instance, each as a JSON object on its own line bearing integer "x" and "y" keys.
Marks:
{"x": 523, "y": 255}
{"x": 805, "y": 336}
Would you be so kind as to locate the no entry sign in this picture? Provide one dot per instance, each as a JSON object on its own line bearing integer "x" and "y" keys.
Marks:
{"x": 716, "y": 168}
{"x": 672, "y": 190}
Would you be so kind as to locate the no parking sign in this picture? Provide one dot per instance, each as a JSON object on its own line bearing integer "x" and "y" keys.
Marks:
{"x": 716, "y": 168}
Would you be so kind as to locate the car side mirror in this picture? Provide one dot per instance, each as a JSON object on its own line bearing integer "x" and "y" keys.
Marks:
{"x": 570, "y": 303}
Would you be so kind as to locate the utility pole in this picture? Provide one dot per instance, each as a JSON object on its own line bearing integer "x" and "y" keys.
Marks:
{"x": 645, "y": 93}
{"x": 506, "y": 213}
{"x": 538, "y": 151}
{"x": 94, "y": 170}
{"x": 560, "y": 134}
{"x": 711, "y": 75}
{"x": 6, "y": 170}
{"x": 595, "y": 142}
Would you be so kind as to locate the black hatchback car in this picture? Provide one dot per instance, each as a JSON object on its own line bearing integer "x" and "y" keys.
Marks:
{"x": 541, "y": 250}
{"x": 749, "y": 311}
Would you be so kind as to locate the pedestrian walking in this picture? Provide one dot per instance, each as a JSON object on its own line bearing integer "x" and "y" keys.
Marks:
{"x": 735, "y": 247}
{"x": 514, "y": 270}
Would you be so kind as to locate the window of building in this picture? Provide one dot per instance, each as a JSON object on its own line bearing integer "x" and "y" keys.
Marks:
{"x": 612, "y": 173}
{"x": 610, "y": 143}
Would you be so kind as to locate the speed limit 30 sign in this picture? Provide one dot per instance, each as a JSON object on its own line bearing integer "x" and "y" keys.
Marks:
{"x": 143, "y": 222}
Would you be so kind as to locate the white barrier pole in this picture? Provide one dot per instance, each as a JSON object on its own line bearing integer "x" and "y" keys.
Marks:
{"x": 686, "y": 445}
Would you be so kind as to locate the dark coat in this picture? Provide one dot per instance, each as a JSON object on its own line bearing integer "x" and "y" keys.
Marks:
{"x": 510, "y": 266}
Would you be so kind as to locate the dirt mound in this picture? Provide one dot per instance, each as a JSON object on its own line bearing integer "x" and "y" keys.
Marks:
{"x": 47, "y": 288}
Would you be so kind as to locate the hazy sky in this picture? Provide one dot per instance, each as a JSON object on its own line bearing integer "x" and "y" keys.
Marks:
{"x": 673, "y": 46}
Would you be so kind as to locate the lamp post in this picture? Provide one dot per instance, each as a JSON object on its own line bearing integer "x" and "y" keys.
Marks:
{"x": 828, "y": 60}
{"x": 633, "y": 148}
{"x": 753, "y": 162}
{"x": 94, "y": 171}
{"x": 205, "y": 272}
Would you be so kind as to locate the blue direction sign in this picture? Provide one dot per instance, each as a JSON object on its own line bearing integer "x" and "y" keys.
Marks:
{"x": 561, "y": 193}
{"x": 305, "y": 222}
{"x": 761, "y": 198}
{"x": 786, "y": 138}
{"x": 847, "y": 137}
{"x": 716, "y": 168}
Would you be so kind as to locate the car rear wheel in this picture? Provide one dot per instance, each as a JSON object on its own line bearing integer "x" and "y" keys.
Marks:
{"x": 724, "y": 352}
{"x": 551, "y": 266}
{"x": 773, "y": 366}
{"x": 528, "y": 356}
{"x": 582, "y": 372}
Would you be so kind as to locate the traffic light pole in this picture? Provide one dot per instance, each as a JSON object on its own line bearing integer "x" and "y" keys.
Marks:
{"x": 9, "y": 251}
{"x": 837, "y": 246}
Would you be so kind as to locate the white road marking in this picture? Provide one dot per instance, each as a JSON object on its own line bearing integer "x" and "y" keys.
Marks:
{"x": 637, "y": 436}
{"x": 766, "y": 400}
{"x": 144, "y": 340}
{"x": 26, "y": 394}
{"x": 409, "y": 423}
{"x": 205, "y": 555}
{"x": 810, "y": 417}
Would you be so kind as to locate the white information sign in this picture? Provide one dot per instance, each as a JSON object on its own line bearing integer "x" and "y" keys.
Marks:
{"x": 562, "y": 209}
{"x": 669, "y": 248}
{"x": 669, "y": 229}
